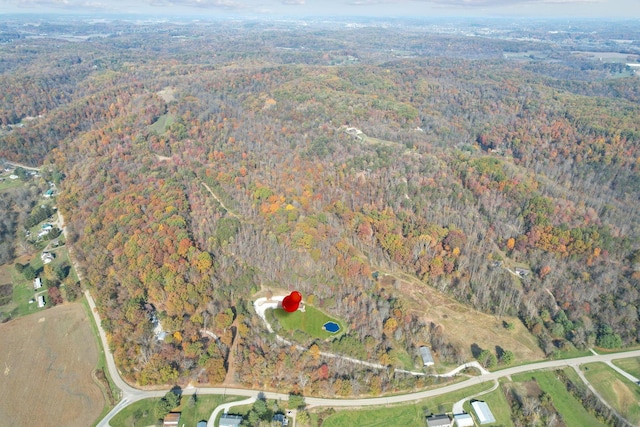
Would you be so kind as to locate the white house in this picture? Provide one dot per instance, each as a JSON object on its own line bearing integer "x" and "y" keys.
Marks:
{"x": 47, "y": 257}
{"x": 41, "y": 301}
{"x": 37, "y": 283}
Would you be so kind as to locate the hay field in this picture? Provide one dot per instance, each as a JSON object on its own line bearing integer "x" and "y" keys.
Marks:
{"x": 47, "y": 360}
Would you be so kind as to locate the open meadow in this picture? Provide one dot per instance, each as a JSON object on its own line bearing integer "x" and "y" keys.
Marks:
{"x": 465, "y": 325}
{"x": 47, "y": 360}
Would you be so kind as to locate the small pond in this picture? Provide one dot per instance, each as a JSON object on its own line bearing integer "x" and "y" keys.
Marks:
{"x": 332, "y": 327}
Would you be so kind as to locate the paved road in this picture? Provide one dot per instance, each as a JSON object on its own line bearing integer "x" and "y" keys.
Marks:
{"x": 130, "y": 394}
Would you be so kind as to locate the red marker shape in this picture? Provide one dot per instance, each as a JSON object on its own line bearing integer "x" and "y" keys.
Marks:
{"x": 291, "y": 302}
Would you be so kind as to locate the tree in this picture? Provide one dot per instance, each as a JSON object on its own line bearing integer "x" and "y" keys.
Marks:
{"x": 607, "y": 339}
{"x": 28, "y": 272}
{"x": 54, "y": 295}
{"x": 483, "y": 356}
{"x": 296, "y": 401}
{"x": 492, "y": 361}
{"x": 302, "y": 418}
{"x": 215, "y": 370}
{"x": 507, "y": 357}
{"x": 166, "y": 404}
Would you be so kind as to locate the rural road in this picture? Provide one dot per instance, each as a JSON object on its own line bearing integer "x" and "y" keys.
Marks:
{"x": 130, "y": 394}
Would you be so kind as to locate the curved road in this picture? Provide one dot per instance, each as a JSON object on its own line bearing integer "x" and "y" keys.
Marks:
{"x": 130, "y": 394}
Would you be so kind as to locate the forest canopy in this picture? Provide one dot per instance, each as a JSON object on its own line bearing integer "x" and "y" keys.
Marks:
{"x": 205, "y": 164}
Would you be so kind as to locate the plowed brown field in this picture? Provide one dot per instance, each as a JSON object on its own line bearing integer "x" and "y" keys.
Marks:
{"x": 46, "y": 362}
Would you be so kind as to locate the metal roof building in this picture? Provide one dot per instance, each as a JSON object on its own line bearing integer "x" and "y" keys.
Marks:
{"x": 483, "y": 412}
{"x": 427, "y": 358}
{"x": 440, "y": 420}
{"x": 230, "y": 420}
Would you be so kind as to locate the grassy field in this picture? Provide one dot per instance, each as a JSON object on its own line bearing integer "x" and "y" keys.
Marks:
{"x": 631, "y": 365}
{"x": 401, "y": 415}
{"x": 47, "y": 361}
{"x": 142, "y": 413}
{"x": 310, "y": 321}
{"x": 572, "y": 411}
{"x": 9, "y": 183}
{"x": 621, "y": 393}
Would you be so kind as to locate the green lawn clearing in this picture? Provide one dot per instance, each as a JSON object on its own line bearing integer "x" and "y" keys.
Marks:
{"x": 621, "y": 393}
{"x": 572, "y": 411}
{"x": 163, "y": 122}
{"x": 310, "y": 321}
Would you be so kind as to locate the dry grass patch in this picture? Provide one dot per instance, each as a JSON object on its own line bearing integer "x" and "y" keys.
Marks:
{"x": 463, "y": 324}
{"x": 47, "y": 360}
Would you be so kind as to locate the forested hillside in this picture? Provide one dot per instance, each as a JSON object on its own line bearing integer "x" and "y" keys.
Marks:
{"x": 205, "y": 164}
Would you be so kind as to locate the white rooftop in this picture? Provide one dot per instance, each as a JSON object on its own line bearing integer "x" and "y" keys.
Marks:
{"x": 483, "y": 412}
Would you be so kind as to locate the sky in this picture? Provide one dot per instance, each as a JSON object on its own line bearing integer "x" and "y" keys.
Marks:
{"x": 415, "y": 8}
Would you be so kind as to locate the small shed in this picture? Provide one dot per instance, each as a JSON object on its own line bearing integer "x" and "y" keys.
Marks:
{"x": 427, "y": 358}
{"x": 171, "y": 420}
{"x": 483, "y": 412}
{"x": 230, "y": 420}
{"x": 439, "y": 420}
{"x": 463, "y": 420}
